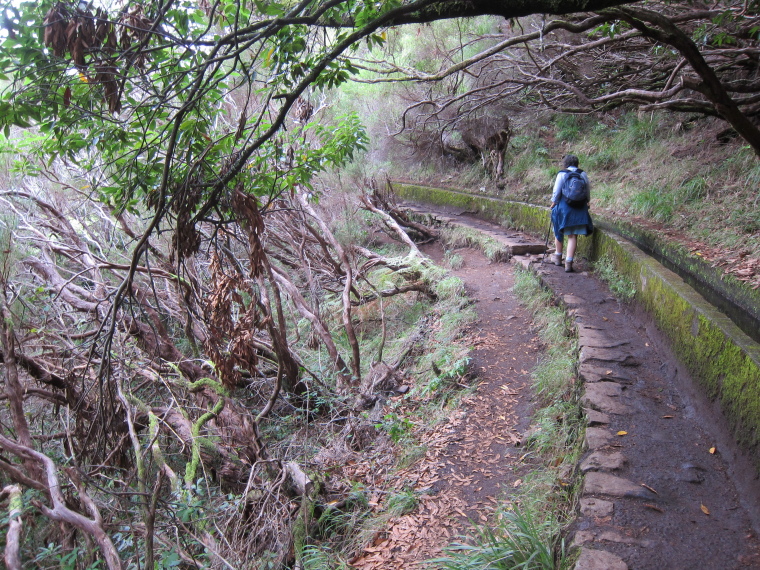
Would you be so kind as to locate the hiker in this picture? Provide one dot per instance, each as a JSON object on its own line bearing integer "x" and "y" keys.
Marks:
{"x": 570, "y": 217}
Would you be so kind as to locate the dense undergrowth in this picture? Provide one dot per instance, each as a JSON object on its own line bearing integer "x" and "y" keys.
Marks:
{"x": 181, "y": 467}
{"x": 358, "y": 465}
{"x": 526, "y": 531}
{"x": 245, "y": 350}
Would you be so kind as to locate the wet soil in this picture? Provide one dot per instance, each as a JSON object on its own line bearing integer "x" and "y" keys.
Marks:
{"x": 697, "y": 494}
{"x": 698, "y": 499}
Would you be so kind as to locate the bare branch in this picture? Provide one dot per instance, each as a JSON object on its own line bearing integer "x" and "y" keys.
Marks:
{"x": 13, "y": 535}
{"x": 60, "y": 512}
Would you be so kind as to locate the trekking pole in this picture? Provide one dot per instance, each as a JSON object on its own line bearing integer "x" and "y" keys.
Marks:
{"x": 546, "y": 242}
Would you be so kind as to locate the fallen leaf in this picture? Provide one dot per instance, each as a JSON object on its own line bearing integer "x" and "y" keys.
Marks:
{"x": 608, "y": 372}
{"x": 704, "y": 509}
{"x": 713, "y": 450}
{"x": 650, "y": 488}
{"x": 653, "y": 507}
{"x": 621, "y": 432}
{"x": 667, "y": 417}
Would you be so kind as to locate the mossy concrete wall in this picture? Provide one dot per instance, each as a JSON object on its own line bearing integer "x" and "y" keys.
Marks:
{"x": 517, "y": 215}
{"x": 733, "y": 295}
{"x": 723, "y": 359}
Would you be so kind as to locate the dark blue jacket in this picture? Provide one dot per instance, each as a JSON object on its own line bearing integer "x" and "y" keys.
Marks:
{"x": 564, "y": 216}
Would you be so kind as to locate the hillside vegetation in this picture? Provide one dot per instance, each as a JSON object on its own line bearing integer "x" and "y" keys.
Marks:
{"x": 682, "y": 173}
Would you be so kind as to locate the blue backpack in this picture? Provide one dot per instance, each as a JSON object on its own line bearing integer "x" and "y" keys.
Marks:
{"x": 575, "y": 189}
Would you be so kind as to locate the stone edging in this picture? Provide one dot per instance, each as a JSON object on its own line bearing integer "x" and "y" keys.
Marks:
{"x": 718, "y": 354}
{"x": 597, "y": 479}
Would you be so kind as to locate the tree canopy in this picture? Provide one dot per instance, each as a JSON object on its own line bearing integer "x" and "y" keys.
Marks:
{"x": 173, "y": 104}
{"x": 693, "y": 59}
{"x": 133, "y": 95}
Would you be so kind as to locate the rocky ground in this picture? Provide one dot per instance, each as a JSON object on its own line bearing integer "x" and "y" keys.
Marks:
{"x": 664, "y": 486}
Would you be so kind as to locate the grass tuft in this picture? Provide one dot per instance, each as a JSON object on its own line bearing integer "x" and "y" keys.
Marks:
{"x": 450, "y": 287}
{"x": 401, "y": 503}
{"x": 459, "y": 236}
{"x": 519, "y": 541}
{"x": 620, "y": 286}
{"x": 653, "y": 203}
{"x": 695, "y": 189}
{"x": 453, "y": 260}
{"x": 322, "y": 558}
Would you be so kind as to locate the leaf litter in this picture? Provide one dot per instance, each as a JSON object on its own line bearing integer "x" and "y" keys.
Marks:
{"x": 473, "y": 460}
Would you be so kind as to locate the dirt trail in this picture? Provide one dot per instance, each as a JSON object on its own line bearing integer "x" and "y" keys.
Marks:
{"x": 665, "y": 488}
{"x": 472, "y": 459}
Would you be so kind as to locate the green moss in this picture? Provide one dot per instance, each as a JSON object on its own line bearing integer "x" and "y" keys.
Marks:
{"x": 198, "y": 385}
{"x": 720, "y": 356}
{"x": 733, "y": 376}
{"x": 304, "y": 519}
{"x": 16, "y": 503}
{"x": 158, "y": 455}
{"x": 192, "y": 466}
{"x": 535, "y": 219}
{"x": 675, "y": 254}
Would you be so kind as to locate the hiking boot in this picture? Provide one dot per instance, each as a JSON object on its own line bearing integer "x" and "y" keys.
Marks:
{"x": 557, "y": 259}
{"x": 568, "y": 266}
